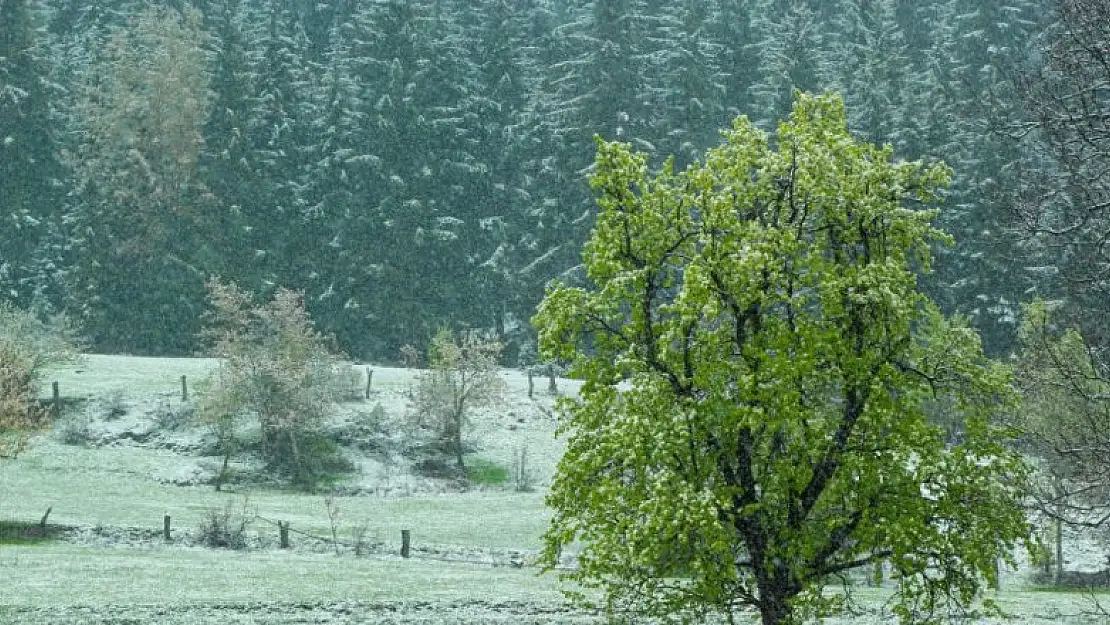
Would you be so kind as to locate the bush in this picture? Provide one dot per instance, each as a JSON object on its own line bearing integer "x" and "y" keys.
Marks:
{"x": 227, "y": 528}
{"x": 365, "y": 431}
{"x": 437, "y": 467}
{"x": 462, "y": 376}
{"x": 347, "y": 384}
{"x": 115, "y": 405}
{"x": 317, "y": 461}
{"x": 75, "y": 428}
{"x": 27, "y": 346}
{"x": 172, "y": 418}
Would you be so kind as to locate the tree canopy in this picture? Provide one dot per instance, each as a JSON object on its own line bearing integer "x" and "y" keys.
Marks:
{"x": 757, "y": 357}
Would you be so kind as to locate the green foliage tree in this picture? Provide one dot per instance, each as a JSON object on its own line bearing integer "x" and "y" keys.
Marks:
{"x": 27, "y": 346}
{"x": 278, "y": 370}
{"x": 462, "y": 376}
{"x": 756, "y": 356}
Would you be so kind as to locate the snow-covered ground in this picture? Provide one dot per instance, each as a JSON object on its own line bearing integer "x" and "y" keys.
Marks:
{"x": 472, "y": 549}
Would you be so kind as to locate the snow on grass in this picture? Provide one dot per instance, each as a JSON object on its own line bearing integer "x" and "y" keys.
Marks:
{"x": 117, "y": 486}
{"x": 121, "y": 486}
{"x": 59, "y": 574}
{"x": 100, "y": 374}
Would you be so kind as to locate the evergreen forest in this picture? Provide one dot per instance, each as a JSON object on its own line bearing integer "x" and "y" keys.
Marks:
{"x": 412, "y": 165}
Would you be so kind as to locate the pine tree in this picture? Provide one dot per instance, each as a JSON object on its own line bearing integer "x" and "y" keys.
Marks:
{"x": 279, "y": 136}
{"x": 979, "y": 271}
{"x": 506, "y": 143}
{"x": 344, "y": 173}
{"x": 870, "y": 65}
{"x": 792, "y": 55}
{"x": 685, "y": 85}
{"x": 226, "y": 164}
{"x": 30, "y": 173}
{"x": 732, "y": 29}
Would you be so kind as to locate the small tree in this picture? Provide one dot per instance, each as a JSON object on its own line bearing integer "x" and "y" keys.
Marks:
{"x": 27, "y": 346}
{"x": 756, "y": 355}
{"x": 277, "y": 369}
{"x": 223, "y": 412}
{"x": 1065, "y": 421}
{"x": 461, "y": 376}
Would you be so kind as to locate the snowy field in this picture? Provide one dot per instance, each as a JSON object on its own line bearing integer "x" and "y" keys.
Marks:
{"x": 471, "y": 551}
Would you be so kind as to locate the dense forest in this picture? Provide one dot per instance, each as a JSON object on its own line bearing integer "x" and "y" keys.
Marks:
{"x": 415, "y": 164}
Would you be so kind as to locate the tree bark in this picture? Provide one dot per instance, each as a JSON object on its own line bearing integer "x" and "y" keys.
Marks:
{"x": 773, "y": 609}
{"x": 457, "y": 442}
{"x": 223, "y": 471}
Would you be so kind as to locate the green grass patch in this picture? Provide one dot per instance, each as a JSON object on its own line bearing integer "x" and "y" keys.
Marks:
{"x": 487, "y": 472}
{"x": 25, "y": 533}
{"x": 118, "y": 486}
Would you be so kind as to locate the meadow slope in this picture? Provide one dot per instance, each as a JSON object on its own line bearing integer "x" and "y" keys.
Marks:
{"x": 472, "y": 549}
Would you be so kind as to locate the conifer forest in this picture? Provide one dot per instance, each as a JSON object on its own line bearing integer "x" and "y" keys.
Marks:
{"x": 416, "y": 164}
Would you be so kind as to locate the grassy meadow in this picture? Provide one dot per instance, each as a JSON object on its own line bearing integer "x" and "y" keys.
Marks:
{"x": 147, "y": 580}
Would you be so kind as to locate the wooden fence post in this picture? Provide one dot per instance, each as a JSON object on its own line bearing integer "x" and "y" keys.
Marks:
{"x": 57, "y": 398}
{"x": 530, "y": 385}
{"x": 166, "y": 528}
{"x": 184, "y": 390}
{"x": 551, "y": 388}
{"x": 405, "y": 538}
{"x": 369, "y": 378}
{"x": 42, "y": 522}
{"x": 283, "y": 534}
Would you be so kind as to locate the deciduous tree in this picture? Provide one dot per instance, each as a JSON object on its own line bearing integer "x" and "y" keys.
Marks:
{"x": 142, "y": 225}
{"x": 276, "y": 369}
{"x": 756, "y": 357}
{"x": 1065, "y": 421}
{"x": 463, "y": 376}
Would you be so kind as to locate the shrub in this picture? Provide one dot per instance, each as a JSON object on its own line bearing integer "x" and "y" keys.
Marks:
{"x": 523, "y": 478}
{"x": 115, "y": 405}
{"x": 347, "y": 384}
{"x": 227, "y": 528}
{"x": 75, "y": 428}
{"x": 171, "y": 418}
{"x": 27, "y": 346}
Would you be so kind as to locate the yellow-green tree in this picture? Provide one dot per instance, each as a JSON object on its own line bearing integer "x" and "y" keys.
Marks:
{"x": 145, "y": 229}
{"x": 756, "y": 356}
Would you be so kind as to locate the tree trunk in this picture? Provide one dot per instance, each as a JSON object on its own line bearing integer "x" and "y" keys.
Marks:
{"x": 1059, "y": 551}
{"x": 457, "y": 443}
{"x": 223, "y": 471}
{"x": 299, "y": 470}
{"x": 774, "y": 610}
